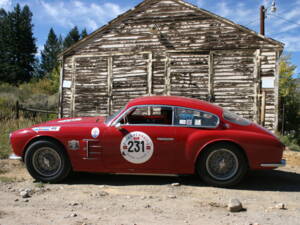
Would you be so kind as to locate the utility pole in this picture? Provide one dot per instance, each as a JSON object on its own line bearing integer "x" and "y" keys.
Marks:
{"x": 263, "y": 13}
{"x": 262, "y": 20}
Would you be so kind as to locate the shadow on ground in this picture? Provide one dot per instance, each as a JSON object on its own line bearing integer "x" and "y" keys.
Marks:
{"x": 274, "y": 180}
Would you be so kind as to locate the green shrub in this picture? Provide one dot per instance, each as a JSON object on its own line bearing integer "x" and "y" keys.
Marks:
{"x": 290, "y": 141}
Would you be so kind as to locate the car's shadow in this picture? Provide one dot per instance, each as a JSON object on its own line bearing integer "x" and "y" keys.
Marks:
{"x": 273, "y": 180}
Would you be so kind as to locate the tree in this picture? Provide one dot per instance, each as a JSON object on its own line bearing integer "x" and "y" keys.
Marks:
{"x": 50, "y": 53}
{"x": 72, "y": 37}
{"x": 17, "y": 45}
{"x": 289, "y": 99}
{"x": 83, "y": 33}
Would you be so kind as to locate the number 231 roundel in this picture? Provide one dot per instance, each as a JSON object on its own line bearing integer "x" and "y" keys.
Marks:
{"x": 137, "y": 147}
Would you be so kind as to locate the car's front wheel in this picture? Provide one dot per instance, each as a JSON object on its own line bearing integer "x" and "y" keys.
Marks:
{"x": 46, "y": 161}
{"x": 222, "y": 165}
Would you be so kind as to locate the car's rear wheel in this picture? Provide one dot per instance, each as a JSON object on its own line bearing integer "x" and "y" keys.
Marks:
{"x": 222, "y": 165}
{"x": 47, "y": 161}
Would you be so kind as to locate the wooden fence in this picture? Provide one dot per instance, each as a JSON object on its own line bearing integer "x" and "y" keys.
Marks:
{"x": 19, "y": 108}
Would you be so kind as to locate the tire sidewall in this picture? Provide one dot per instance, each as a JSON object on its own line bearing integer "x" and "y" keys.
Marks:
{"x": 65, "y": 164}
{"x": 241, "y": 172}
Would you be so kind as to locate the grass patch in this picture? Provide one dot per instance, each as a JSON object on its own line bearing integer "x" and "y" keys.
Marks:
{"x": 39, "y": 185}
{"x": 290, "y": 142}
{"x": 7, "y": 179}
{"x": 8, "y": 126}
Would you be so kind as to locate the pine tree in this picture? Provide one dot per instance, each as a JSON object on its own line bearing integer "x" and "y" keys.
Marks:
{"x": 18, "y": 45}
{"x": 49, "y": 55}
{"x": 83, "y": 33}
{"x": 3, "y": 46}
{"x": 72, "y": 37}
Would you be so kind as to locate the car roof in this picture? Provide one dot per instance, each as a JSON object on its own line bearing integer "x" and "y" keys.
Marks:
{"x": 176, "y": 101}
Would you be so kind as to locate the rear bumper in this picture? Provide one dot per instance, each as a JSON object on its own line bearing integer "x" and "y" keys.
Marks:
{"x": 281, "y": 164}
{"x": 15, "y": 157}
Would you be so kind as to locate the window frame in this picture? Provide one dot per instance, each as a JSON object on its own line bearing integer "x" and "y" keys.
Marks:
{"x": 144, "y": 124}
{"x": 196, "y": 126}
{"x": 116, "y": 121}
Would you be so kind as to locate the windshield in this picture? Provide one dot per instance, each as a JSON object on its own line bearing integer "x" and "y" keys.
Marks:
{"x": 111, "y": 117}
{"x": 234, "y": 118}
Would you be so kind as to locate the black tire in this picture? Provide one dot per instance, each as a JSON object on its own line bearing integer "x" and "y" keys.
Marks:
{"x": 233, "y": 165}
{"x": 47, "y": 161}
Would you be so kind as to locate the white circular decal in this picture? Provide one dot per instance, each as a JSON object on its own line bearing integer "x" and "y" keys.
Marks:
{"x": 137, "y": 147}
{"x": 95, "y": 132}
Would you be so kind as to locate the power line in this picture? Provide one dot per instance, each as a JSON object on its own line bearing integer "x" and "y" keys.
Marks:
{"x": 287, "y": 20}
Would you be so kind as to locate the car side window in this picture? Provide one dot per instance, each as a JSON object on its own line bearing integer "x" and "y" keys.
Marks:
{"x": 195, "y": 118}
{"x": 149, "y": 115}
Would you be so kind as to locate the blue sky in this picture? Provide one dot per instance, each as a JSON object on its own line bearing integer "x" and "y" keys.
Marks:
{"x": 62, "y": 15}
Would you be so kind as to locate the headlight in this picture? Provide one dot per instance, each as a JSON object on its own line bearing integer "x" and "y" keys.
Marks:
{"x": 234, "y": 118}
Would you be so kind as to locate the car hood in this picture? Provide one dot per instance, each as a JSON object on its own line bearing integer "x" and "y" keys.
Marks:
{"x": 72, "y": 121}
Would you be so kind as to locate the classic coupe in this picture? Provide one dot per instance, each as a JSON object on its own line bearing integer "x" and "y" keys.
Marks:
{"x": 150, "y": 135}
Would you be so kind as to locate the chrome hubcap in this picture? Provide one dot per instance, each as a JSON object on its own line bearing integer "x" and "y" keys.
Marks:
{"x": 46, "y": 162}
{"x": 222, "y": 164}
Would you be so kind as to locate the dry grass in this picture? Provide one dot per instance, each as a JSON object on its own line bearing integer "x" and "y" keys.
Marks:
{"x": 8, "y": 126}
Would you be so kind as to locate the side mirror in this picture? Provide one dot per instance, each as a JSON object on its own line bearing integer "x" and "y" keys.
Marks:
{"x": 118, "y": 126}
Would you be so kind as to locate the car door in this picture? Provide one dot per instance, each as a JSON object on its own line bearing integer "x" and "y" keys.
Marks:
{"x": 193, "y": 129}
{"x": 142, "y": 141}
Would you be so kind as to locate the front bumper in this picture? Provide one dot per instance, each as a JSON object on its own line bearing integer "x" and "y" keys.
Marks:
{"x": 15, "y": 157}
{"x": 281, "y": 164}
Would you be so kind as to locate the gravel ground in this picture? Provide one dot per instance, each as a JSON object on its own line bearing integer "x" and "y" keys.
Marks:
{"x": 268, "y": 197}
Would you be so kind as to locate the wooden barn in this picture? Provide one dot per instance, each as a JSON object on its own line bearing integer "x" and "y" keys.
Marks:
{"x": 170, "y": 47}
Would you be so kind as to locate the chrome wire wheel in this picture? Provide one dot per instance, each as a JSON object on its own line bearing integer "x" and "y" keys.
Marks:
{"x": 46, "y": 162}
{"x": 222, "y": 164}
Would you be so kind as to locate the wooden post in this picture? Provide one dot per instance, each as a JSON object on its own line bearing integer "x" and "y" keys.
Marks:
{"x": 257, "y": 84}
{"x": 167, "y": 76}
{"x": 276, "y": 90}
{"x": 61, "y": 79}
{"x": 263, "y": 109}
{"x": 149, "y": 78}
{"x": 17, "y": 110}
{"x": 72, "y": 110}
{"x": 211, "y": 77}
{"x": 109, "y": 83}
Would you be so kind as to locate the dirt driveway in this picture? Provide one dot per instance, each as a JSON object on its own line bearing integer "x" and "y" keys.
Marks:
{"x": 115, "y": 199}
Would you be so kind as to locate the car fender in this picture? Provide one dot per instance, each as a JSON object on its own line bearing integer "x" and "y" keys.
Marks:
{"x": 198, "y": 141}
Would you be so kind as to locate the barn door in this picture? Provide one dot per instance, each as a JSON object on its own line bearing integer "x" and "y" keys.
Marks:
{"x": 90, "y": 86}
{"x": 187, "y": 75}
{"x": 129, "y": 78}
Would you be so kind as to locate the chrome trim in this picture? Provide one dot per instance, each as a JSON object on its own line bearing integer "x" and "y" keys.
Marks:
{"x": 165, "y": 139}
{"x": 148, "y": 174}
{"x": 281, "y": 164}
{"x": 15, "y": 157}
{"x": 164, "y": 125}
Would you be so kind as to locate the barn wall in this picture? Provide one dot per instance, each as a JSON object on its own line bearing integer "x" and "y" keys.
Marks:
{"x": 166, "y": 48}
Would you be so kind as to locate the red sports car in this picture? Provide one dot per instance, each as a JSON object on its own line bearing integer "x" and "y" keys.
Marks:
{"x": 150, "y": 135}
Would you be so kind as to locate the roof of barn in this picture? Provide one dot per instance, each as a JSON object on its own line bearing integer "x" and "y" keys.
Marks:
{"x": 146, "y": 2}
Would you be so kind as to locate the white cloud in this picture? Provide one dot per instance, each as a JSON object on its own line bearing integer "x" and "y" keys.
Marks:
{"x": 81, "y": 13}
{"x": 201, "y": 3}
{"x": 39, "y": 50}
{"x": 5, "y": 4}
{"x": 291, "y": 42}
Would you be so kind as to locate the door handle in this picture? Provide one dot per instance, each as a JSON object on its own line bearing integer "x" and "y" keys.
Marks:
{"x": 165, "y": 139}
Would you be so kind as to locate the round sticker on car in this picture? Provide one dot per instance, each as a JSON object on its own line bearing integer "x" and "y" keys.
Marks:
{"x": 95, "y": 132}
{"x": 137, "y": 147}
